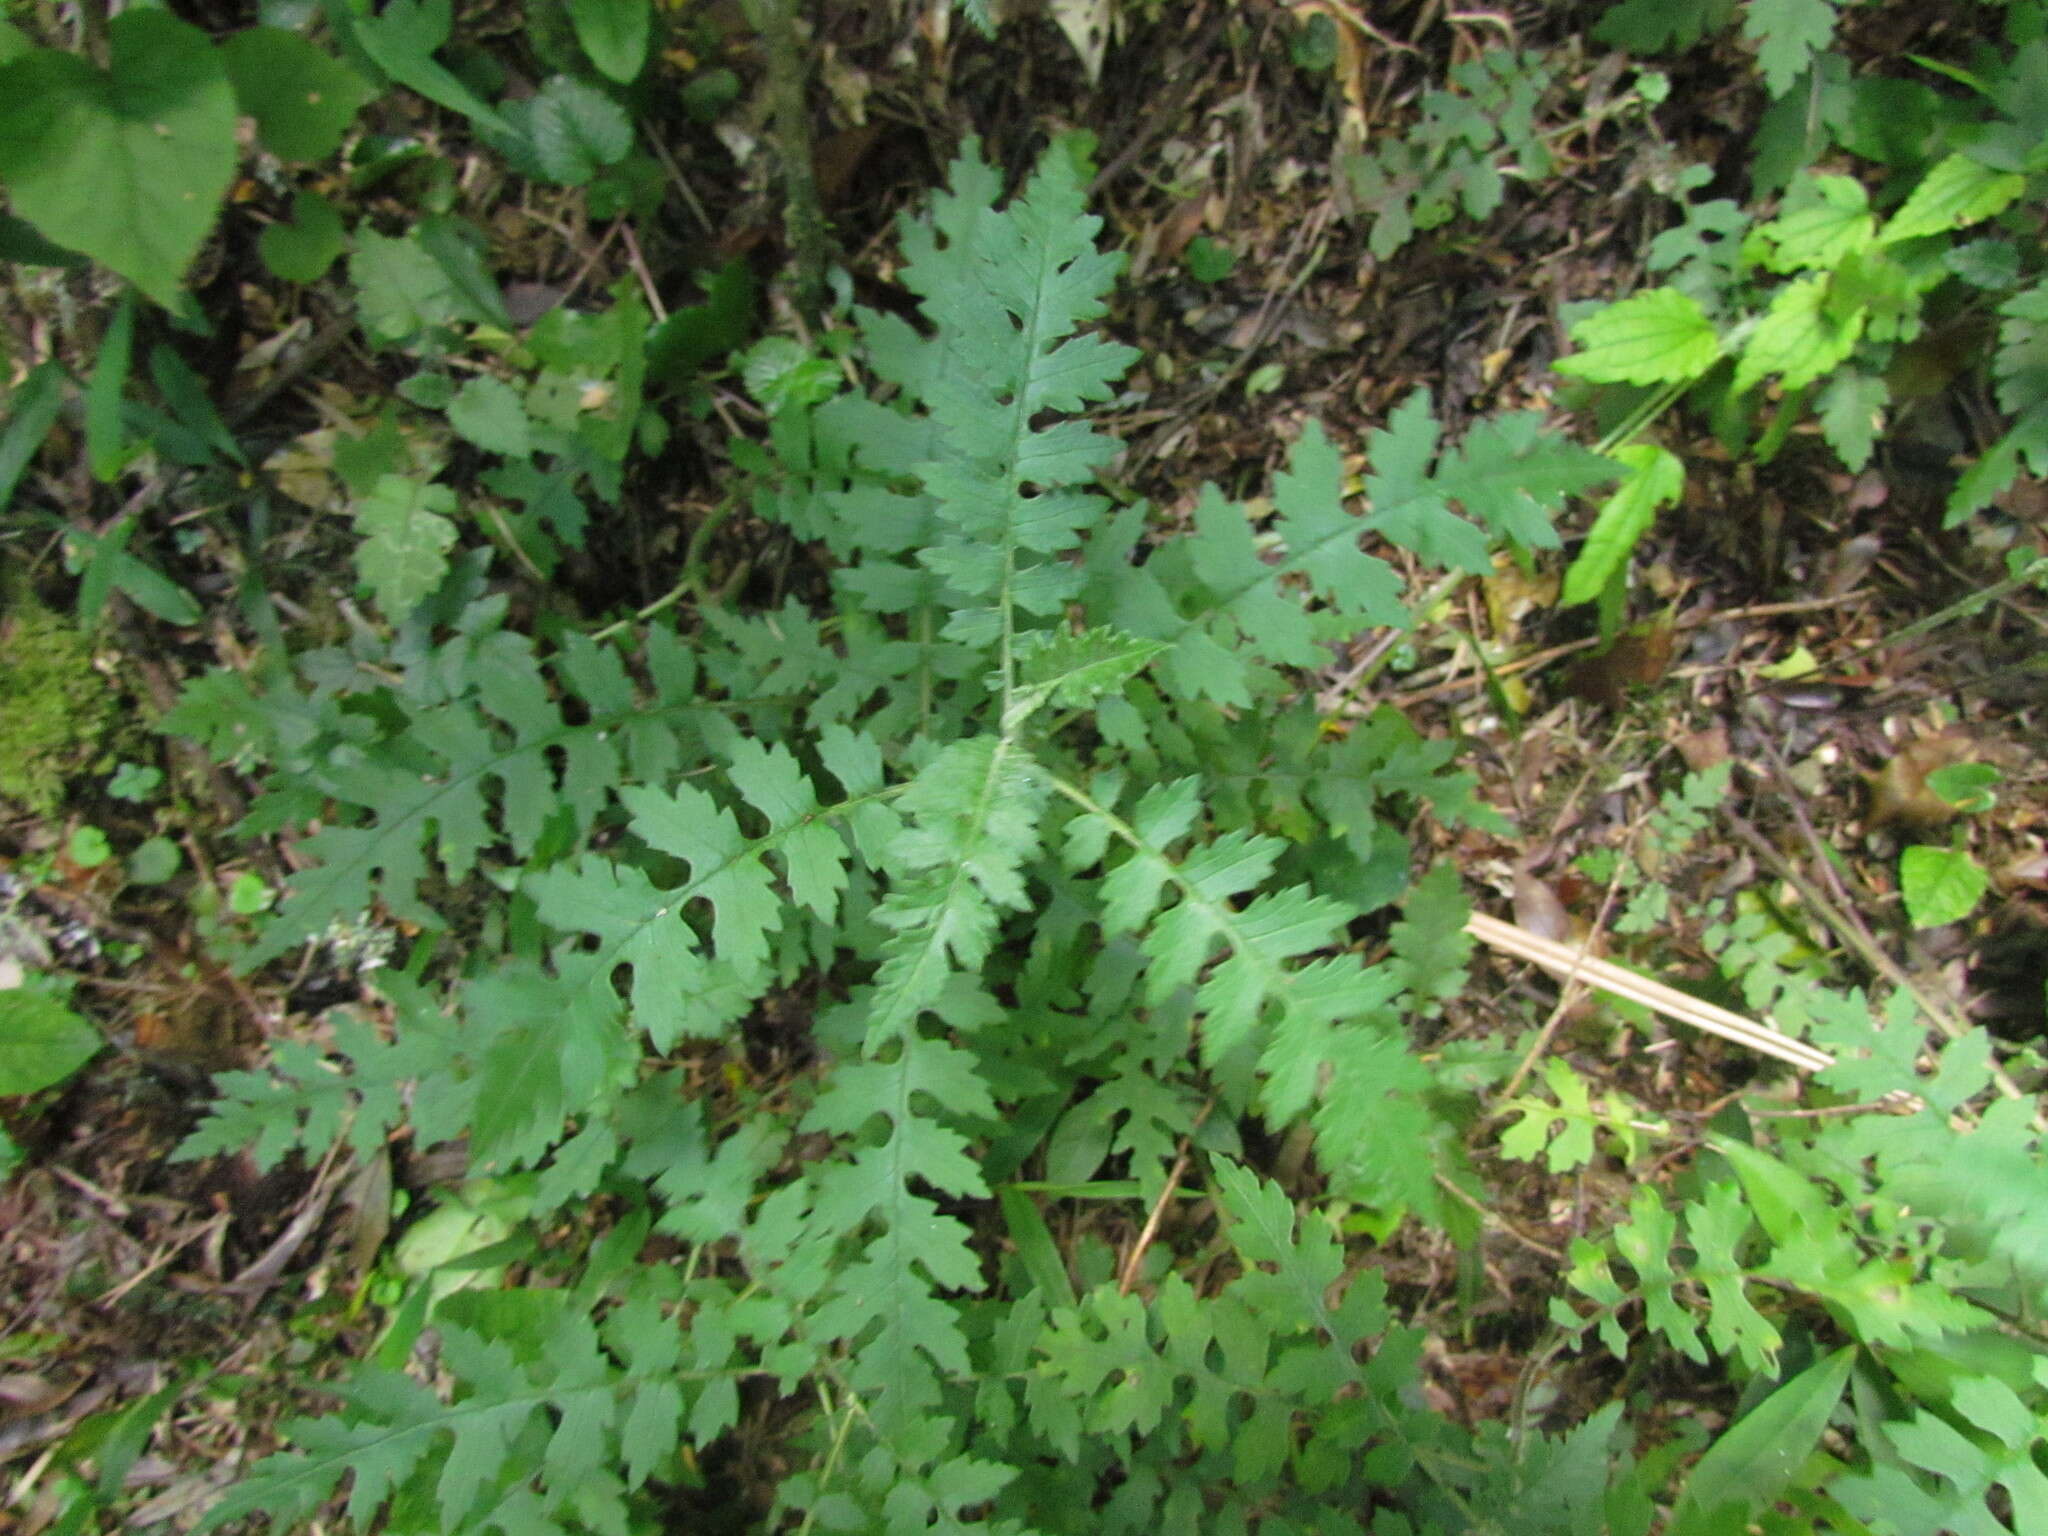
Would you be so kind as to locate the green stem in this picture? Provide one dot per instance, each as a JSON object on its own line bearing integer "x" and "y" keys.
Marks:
{"x": 839, "y": 1434}
{"x": 1649, "y": 410}
{"x": 692, "y": 582}
{"x": 1445, "y": 586}
{"x": 2033, "y": 572}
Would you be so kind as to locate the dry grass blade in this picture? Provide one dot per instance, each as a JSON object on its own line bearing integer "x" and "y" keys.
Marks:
{"x": 1563, "y": 960}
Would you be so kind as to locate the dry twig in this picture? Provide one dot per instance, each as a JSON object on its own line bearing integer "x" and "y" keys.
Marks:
{"x": 1570, "y": 961}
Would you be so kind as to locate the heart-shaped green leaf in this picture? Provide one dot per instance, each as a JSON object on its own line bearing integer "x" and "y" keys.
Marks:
{"x": 302, "y": 99}
{"x": 614, "y": 34}
{"x": 41, "y": 1042}
{"x": 1940, "y": 885}
{"x": 128, "y": 164}
{"x": 303, "y": 250}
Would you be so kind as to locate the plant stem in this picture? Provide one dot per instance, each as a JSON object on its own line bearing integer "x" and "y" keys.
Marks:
{"x": 803, "y": 214}
{"x": 2027, "y": 575}
{"x": 692, "y": 582}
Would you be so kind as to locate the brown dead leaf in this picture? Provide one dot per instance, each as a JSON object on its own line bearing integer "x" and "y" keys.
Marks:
{"x": 1843, "y": 568}
{"x": 25, "y": 1393}
{"x": 1898, "y": 794}
{"x": 2029, "y": 868}
{"x": 1179, "y": 227}
{"x": 837, "y": 157}
{"x": 1703, "y": 749}
{"x": 2026, "y": 499}
{"x": 1513, "y": 596}
{"x": 1638, "y": 658}
{"x": 199, "y": 1033}
{"x": 1538, "y": 909}
{"x": 367, "y": 1201}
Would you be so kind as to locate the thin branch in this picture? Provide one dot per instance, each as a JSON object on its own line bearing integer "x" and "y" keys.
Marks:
{"x": 1570, "y": 961}
{"x": 1128, "y": 1276}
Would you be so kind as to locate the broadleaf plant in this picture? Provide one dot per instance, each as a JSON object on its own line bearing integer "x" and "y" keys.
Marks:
{"x": 1031, "y": 802}
{"x": 1830, "y": 307}
{"x": 875, "y": 1013}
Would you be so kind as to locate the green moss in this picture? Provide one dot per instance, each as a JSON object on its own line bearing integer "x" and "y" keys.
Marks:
{"x": 55, "y": 707}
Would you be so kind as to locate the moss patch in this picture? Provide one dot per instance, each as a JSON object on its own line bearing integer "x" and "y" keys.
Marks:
{"x": 55, "y": 707}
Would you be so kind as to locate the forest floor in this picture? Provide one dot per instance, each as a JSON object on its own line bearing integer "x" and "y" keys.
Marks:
{"x": 1764, "y": 634}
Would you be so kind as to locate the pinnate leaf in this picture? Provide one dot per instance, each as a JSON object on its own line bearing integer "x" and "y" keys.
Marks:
{"x": 1407, "y": 505}
{"x": 1009, "y": 292}
{"x": 1322, "y": 539}
{"x": 972, "y": 824}
{"x": 406, "y": 538}
{"x": 1537, "y": 1133}
{"x": 488, "y": 412}
{"x": 1512, "y": 475}
{"x": 1216, "y": 600}
{"x": 1072, "y": 670}
{"x": 1651, "y": 26}
{"x": 1788, "y": 33}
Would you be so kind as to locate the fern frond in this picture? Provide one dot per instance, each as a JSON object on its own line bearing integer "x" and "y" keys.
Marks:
{"x": 1215, "y": 600}
{"x": 484, "y": 756}
{"x": 1260, "y": 936}
{"x": 883, "y": 1305}
{"x": 1072, "y": 670}
{"x": 1007, "y": 291}
{"x": 972, "y": 823}
{"x": 681, "y": 989}
{"x": 309, "y": 1100}
{"x": 543, "y": 1423}
{"x": 1320, "y": 1031}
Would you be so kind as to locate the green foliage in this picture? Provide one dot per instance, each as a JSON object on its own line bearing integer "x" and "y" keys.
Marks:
{"x": 1473, "y": 135}
{"x": 42, "y": 1042}
{"x": 615, "y": 34}
{"x": 567, "y": 132}
{"x": 46, "y": 1041}
{"x": 301, "y": 249}
{"x": 1210, "y": 261}
{"x": 1944, "y": 885}
{"x": 125, "y": 164}
{"x": 1940, "y": 885}
{"x": 1787, "y": 34}
{"x": 1035, "y": 809}
{"x": 303, "y": 100}
{"x": 1564, "y": 1134}
{"x": 1822, "y": 303}
{"x": 1652, "y": 26}
{"x": 406, "y": 538}
{"x": 1025, "y": 818}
